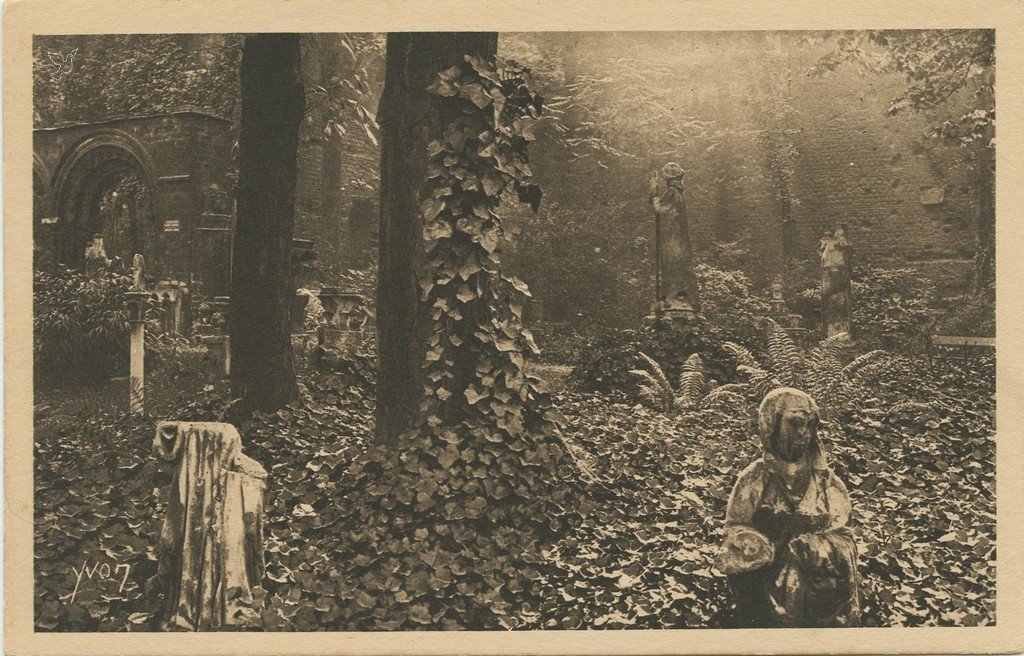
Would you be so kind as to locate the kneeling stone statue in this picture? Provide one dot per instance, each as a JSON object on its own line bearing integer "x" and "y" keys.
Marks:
{"x": 789, "y": 555}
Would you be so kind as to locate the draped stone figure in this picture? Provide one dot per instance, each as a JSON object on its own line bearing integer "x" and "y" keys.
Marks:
{"x": 210, "y": 553}
{"x": 679, "y": 291}
{"x": 789, "y": 555}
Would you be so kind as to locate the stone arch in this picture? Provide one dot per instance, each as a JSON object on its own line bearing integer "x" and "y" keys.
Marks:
{"x": 87, "y": 175}
{"x": 41, "y": 181}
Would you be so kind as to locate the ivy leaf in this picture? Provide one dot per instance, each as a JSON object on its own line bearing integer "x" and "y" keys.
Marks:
{"x": 437, "y": 230}
{"x": 465, "y": 294}
{"x": 491, "y": 185}
{"x": 489, "y": 239}
{"x": 520, "y": 286}
{"x": 431, "y": 207}
{"x": 472, "y": 395}
{"x": 475, "y": 94}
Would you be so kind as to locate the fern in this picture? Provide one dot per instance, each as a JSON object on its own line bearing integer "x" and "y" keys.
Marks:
{"x": 741, "y": 354}
{"x": 734, "y": 392}
{"x": 655, "y": 389}
{"x": 858, "y": 364}
{"x": 785, "y": 359}
{"x": 835, "y": 346}
{"x": 692, "y": 388}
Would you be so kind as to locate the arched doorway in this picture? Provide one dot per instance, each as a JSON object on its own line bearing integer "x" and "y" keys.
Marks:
{"x": 106, "y": 191}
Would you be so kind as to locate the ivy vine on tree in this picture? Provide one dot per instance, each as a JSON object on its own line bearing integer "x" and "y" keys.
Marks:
{"x": 459, "y": 511}
{"x": 476, "y": 361}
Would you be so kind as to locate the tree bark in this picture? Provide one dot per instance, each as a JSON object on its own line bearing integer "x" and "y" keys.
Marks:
{"x": 985, "y": 223}
{"x": 272, "y": 109}
{"x": 410, "y": 118}
{"x": 331, "y": 199}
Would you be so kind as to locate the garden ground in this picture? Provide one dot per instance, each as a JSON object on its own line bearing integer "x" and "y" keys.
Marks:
{"x": 920, "y": 471}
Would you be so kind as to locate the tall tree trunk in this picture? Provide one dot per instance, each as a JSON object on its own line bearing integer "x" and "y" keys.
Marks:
{"x": 410, "y": 118}
{"x": 272, "y": 109}
{"x": 330, "y": 199}
{"x": 985, "y": 222}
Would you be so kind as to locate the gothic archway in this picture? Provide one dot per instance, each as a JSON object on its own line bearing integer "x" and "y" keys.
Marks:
{"x": 105, "y": 188}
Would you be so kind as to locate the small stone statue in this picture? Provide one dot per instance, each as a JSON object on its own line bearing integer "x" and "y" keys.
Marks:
{"x": 788, "y": 552}
{"x": 138, "y": 271}
{"x": 96, "y": 255}
{"x": 679, "y": 289}
{"x": 778, "y": 305}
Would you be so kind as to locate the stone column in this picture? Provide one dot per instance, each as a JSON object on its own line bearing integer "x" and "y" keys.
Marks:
{"x": 836, "y": 255}
{"x": 137, "y": 301}
{"x": 210, "y": 554}
{"x": 679, "y": 295}
{"x": 778, "y": 304}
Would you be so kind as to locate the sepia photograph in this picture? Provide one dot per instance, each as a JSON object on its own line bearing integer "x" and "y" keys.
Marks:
{"x": 543, "y": 331}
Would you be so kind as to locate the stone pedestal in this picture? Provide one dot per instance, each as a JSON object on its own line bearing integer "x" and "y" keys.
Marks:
{"x": 218, "y": 353}
{"x": 210, "y": 553}
{"x": 175, "y": 300}
{"x": 297, "y": 312}
{"x": 345, "y": 314}
{"x": 137, "y": 302}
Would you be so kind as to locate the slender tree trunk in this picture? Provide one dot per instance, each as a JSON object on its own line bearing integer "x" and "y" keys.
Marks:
{"x": 272, "y": 109}
{"x": 410, "y": 118}
{"x": 985, "y": 222}
{"x": 330, "y": 198}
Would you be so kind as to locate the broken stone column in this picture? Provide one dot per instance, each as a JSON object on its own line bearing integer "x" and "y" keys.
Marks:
{"x": 678, "y": 292}
{"x": 211, "y": 331}
{"x": 210, "y": 553}
{"x": 836, "y": 276}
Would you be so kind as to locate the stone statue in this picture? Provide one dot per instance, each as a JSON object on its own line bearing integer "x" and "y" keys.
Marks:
{"x": 789, "y": 554}
{"x": 679, "y": 290}
{"x": 836, "y": 274}
{"x": 778, "y": 305}
{"x": 96, "y": 255}
{"x": 210, "y": 553}
{"x": 138, "y": 271}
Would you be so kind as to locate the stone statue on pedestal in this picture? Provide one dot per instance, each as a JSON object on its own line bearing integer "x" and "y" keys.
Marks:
{"x": 138, "y": 273}
{"x": 679, "y": 292}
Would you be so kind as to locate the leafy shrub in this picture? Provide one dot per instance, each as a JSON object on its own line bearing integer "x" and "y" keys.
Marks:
{"x": 971, "y": 316}
{"x": 729, "y": 303}
{"x": 609, "y": 359}
{"x": 175, "y": 358}
{"x": 892, "y": 308}
{"x": 80, "y": 324}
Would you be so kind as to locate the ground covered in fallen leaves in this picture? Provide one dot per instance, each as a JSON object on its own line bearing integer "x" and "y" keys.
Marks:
{"x": 917, "y": 452}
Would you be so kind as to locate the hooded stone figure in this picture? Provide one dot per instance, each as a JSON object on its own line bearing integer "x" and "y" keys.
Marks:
{"x": 789, "y": 554}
